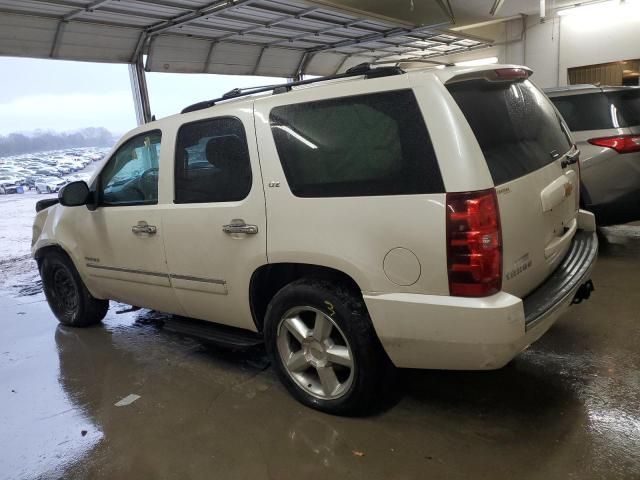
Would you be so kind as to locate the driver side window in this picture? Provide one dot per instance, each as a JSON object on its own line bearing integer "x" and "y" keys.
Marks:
{"x": 130, "y": 177}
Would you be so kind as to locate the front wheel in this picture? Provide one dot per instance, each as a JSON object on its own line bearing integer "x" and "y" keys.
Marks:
{"x": 324, "y": 348}
{"x": 69, "y": 299}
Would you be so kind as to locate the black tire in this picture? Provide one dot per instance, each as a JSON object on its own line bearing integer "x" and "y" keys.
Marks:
{"x": 69, "y": 299}
{"x": 373, "y": 372}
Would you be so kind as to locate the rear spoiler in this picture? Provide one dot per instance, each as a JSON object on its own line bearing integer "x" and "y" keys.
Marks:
{"x": 511, "y": 74}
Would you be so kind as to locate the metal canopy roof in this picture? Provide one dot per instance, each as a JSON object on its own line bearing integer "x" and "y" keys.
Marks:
{"x": 246, "y": 37}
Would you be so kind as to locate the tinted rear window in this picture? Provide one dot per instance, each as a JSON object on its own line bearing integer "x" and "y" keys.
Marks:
{"x": 599, "y": 111}
{"x": 515, "y": 124}
{"x": 365, "y": 145}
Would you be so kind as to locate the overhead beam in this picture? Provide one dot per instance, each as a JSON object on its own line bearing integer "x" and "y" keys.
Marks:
{"x": 55, "y": 46}
{"x": 187, "y": 18}
{"x": 102, "y": 5}
{"x": 207, "y": 62}
{"x": 88, "y": 9}
{"x": 139, "y": 46}
{"x": 497, "y": 5}
{"x": 302, "y": 65}
{"x": 49, "y": 16}
{"x": 257, "y": 65}
{"x": 267, "y": 25}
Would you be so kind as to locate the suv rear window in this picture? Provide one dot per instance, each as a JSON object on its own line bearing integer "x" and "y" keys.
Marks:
{"x": 516, "y": 126}
{"x": 599, "y": 111}
{"x": 364, "y": 145}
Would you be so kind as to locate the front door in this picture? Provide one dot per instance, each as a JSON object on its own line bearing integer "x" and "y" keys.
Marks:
{"x": 122, "y": 238}
{"x": 215, "y": 231}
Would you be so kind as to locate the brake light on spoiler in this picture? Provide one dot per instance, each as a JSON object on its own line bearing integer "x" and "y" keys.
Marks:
{"x": 512, "y": 73}
{"x": 620, "y": 143}
{"x": 474, "y": 244}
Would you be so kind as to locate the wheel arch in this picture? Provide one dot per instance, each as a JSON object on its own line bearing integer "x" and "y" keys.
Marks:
{"x": 52, "y": 247}
{"x": 41, "y": 251}
{"x": 268, "y": 279}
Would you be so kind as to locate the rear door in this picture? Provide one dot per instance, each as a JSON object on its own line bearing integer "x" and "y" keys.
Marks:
{"x": 215, "y": 230}
{"x": 529, "y": 155}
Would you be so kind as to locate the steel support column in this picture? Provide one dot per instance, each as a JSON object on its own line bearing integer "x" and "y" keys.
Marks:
{"x": 139, "y": 91}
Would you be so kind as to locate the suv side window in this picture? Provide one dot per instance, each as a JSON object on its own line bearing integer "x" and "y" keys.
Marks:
{"x": 212, "y": 162}
{"x": 364, "y": 145}
{"x": 130, "y": 177}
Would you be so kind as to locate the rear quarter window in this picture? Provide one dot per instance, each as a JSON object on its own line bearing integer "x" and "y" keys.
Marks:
{"x": 364, "y": 145}
{"x": 589, "y": 111}
{"x": 600, "y": 111}
{"x": 516, "y": 126}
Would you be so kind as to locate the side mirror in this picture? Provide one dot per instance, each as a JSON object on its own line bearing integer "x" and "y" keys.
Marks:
{"x": 74, "y": 194}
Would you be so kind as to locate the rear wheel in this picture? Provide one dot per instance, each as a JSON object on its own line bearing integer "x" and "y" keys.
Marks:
{"x": 324, "y": 348}
{"x": 69, "y": 299}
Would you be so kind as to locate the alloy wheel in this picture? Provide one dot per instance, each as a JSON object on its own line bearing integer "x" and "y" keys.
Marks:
{"x": 315, "y": 353}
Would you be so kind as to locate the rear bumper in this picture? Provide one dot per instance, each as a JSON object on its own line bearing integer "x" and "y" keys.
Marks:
{"x": 455, "y": 333}
{"x": 564, "y": 282}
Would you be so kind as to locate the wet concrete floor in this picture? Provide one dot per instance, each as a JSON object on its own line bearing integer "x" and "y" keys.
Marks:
{"x": 569, "y": 407}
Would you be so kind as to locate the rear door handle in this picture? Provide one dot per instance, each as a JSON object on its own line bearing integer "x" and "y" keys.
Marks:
{"x": 144, "y": 228}
{"x": 240, "y": 228}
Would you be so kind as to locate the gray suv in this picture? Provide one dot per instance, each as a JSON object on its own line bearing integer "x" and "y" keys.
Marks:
{"x": 605, "y": 122}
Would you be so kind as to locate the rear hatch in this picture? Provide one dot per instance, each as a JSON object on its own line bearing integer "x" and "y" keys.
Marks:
{"x": 533, "y": 165}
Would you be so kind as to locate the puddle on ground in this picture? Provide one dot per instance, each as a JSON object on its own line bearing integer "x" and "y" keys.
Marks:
{"x": 20, "y": 276}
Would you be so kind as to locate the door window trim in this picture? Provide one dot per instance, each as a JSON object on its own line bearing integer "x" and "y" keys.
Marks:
{"x": 98, "y": 182}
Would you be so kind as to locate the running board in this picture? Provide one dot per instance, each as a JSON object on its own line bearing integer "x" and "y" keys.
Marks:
{"x": 221, "y": 335}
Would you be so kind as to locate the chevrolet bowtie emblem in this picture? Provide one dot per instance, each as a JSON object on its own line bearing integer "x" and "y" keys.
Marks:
{"x": 568, "y": 189}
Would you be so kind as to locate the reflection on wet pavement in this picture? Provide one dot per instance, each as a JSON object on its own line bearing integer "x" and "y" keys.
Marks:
{"x": 569, "y": 407}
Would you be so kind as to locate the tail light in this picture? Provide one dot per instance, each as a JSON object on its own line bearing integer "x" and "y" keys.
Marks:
{"x": 474, "y": 244}
{"x": 620, "y": 143}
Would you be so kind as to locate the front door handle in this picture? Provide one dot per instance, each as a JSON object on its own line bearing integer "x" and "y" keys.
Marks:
{"x": 240, "y": 228}
{"x": 144, "y": 228}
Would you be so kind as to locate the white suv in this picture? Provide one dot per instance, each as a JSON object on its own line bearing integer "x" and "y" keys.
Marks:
{"x": 377, "y": 218}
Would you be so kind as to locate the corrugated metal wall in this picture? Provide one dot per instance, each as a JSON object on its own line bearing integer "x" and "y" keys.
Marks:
{"x": 604, "y": 73}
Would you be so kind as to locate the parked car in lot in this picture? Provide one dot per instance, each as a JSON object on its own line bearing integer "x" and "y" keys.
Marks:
{"x": 9, "y": 185}
{"x": 605, "y": 122}
{"x": 49, "y": 184}
{"x": 381, "y": 219}
{"x": 47, "y": 171}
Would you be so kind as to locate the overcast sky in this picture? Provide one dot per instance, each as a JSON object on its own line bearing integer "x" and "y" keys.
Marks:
{"x": 60, "y": 95}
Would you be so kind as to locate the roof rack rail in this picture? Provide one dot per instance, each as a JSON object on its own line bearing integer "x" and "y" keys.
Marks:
{"x": 366, "y": 69}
